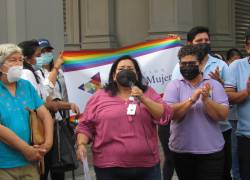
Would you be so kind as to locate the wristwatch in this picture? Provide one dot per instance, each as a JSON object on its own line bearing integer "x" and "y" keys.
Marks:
{"x": 191, "y": 100}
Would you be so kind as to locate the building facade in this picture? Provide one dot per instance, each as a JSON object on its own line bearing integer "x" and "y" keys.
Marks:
{"x": 95, "y": 24}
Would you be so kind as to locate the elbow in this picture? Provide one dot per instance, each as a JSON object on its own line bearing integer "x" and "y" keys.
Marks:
{"x": 223, "y": 115}
{"x": 158, "y": 114}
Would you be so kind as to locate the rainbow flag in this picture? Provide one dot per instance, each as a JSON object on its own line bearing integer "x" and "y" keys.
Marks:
{"x": 86, "y": 71}
{"x": 85, "y": 59}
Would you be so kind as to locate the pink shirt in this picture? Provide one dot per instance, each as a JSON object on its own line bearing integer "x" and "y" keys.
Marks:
{"x": 120, "y": 140}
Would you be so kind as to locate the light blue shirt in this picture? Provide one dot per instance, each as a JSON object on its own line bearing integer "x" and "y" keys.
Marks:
{"x": 14, "y": 116}
{"x": 210, "y": 66}
{"x": 239, "y": 72}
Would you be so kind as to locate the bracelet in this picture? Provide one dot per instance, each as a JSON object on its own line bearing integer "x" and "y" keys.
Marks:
{"x": 191, "y": 100}
{"x": 79, "y": 144}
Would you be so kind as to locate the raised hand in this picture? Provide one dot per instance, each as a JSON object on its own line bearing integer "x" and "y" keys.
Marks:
{"x": 216, "y": 75}
{"x": 59, "y": 61}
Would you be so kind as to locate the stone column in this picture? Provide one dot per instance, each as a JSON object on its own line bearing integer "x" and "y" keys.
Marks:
{"x": 98, "y": 24}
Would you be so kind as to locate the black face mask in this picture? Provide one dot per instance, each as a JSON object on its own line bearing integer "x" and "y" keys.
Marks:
{"x": 189, "y": 72}
{"x": 126, "y": 78}
{"x": 207, "y": 48}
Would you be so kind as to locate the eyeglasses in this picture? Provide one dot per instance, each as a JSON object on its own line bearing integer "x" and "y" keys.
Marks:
{"x": 190, "y": 63}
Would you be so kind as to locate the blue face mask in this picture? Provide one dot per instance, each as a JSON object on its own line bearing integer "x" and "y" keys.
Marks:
{"x": 44, "y": 59}
{"x": 47, "y": 58}
{"x": 39, "y": 63}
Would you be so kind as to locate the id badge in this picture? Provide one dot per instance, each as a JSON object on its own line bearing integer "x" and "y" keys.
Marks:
{"x": 131, "y": 109}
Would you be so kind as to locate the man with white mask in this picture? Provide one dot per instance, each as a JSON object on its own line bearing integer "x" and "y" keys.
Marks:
{"x": 17, "y": 154}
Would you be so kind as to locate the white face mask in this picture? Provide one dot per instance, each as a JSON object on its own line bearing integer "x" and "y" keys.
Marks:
{"x": 14, "y": 73}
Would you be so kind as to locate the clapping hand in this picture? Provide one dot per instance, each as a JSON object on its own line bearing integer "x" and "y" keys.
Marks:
{"x": 196, "y": 94}
{"x": 205, "y": 91}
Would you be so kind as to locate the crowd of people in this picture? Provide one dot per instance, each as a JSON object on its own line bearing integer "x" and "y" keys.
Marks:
{"x": 202, "y": 120}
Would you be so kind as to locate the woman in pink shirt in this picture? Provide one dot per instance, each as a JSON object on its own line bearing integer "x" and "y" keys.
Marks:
{"x": 120, "y": 121}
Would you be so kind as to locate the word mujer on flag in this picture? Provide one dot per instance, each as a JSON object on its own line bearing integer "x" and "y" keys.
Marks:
{"x": 86, "y": 71}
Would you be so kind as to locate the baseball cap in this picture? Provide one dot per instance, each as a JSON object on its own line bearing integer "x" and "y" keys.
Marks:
{"x": 44, "y": 43}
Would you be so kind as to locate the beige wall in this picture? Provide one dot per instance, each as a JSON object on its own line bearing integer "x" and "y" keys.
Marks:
{"x": 131, "y": 21}
{"x": 32, "y": 19}
{"x": 116, "y": 23}
{"x": 95, "y": 24}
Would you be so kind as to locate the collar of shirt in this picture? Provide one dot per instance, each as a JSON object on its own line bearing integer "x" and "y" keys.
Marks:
{"x": 204, "y": 78}
{"x": 211, "y": 60}
{"x": 3, "y": 86}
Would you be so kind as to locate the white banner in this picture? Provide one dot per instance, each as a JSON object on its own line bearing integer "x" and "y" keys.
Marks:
{"x": 156, "y": 68}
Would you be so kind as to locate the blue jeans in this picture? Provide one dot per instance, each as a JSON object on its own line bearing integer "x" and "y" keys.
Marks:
{"x": 135, "y": 173}
{"x": 235, "y": 159}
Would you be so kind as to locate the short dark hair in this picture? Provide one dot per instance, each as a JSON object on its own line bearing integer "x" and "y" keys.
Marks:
{"x": 247, "y": 34}
{"x": 196, "y": 30}
{"x": 198, "y": 50}
{"x": 233, "y": 52}
{"x": 112, "y": 87}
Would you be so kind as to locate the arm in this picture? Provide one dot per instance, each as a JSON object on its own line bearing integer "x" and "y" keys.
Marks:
{"x": 82, "y": 141}
{"x": 180, "y": 109}
{"x": 63, "y": 105}
{"x": 51, "y": 105}
{"x": 232, "y": 83}
{"x": 48, "y": 123}
{"x": 216, "y": 111}
{"x": 53, "y": 73}
{"x": 11, "y": 139}
{"x": 155, "y": 109}
{"x": 236, "y": 97}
